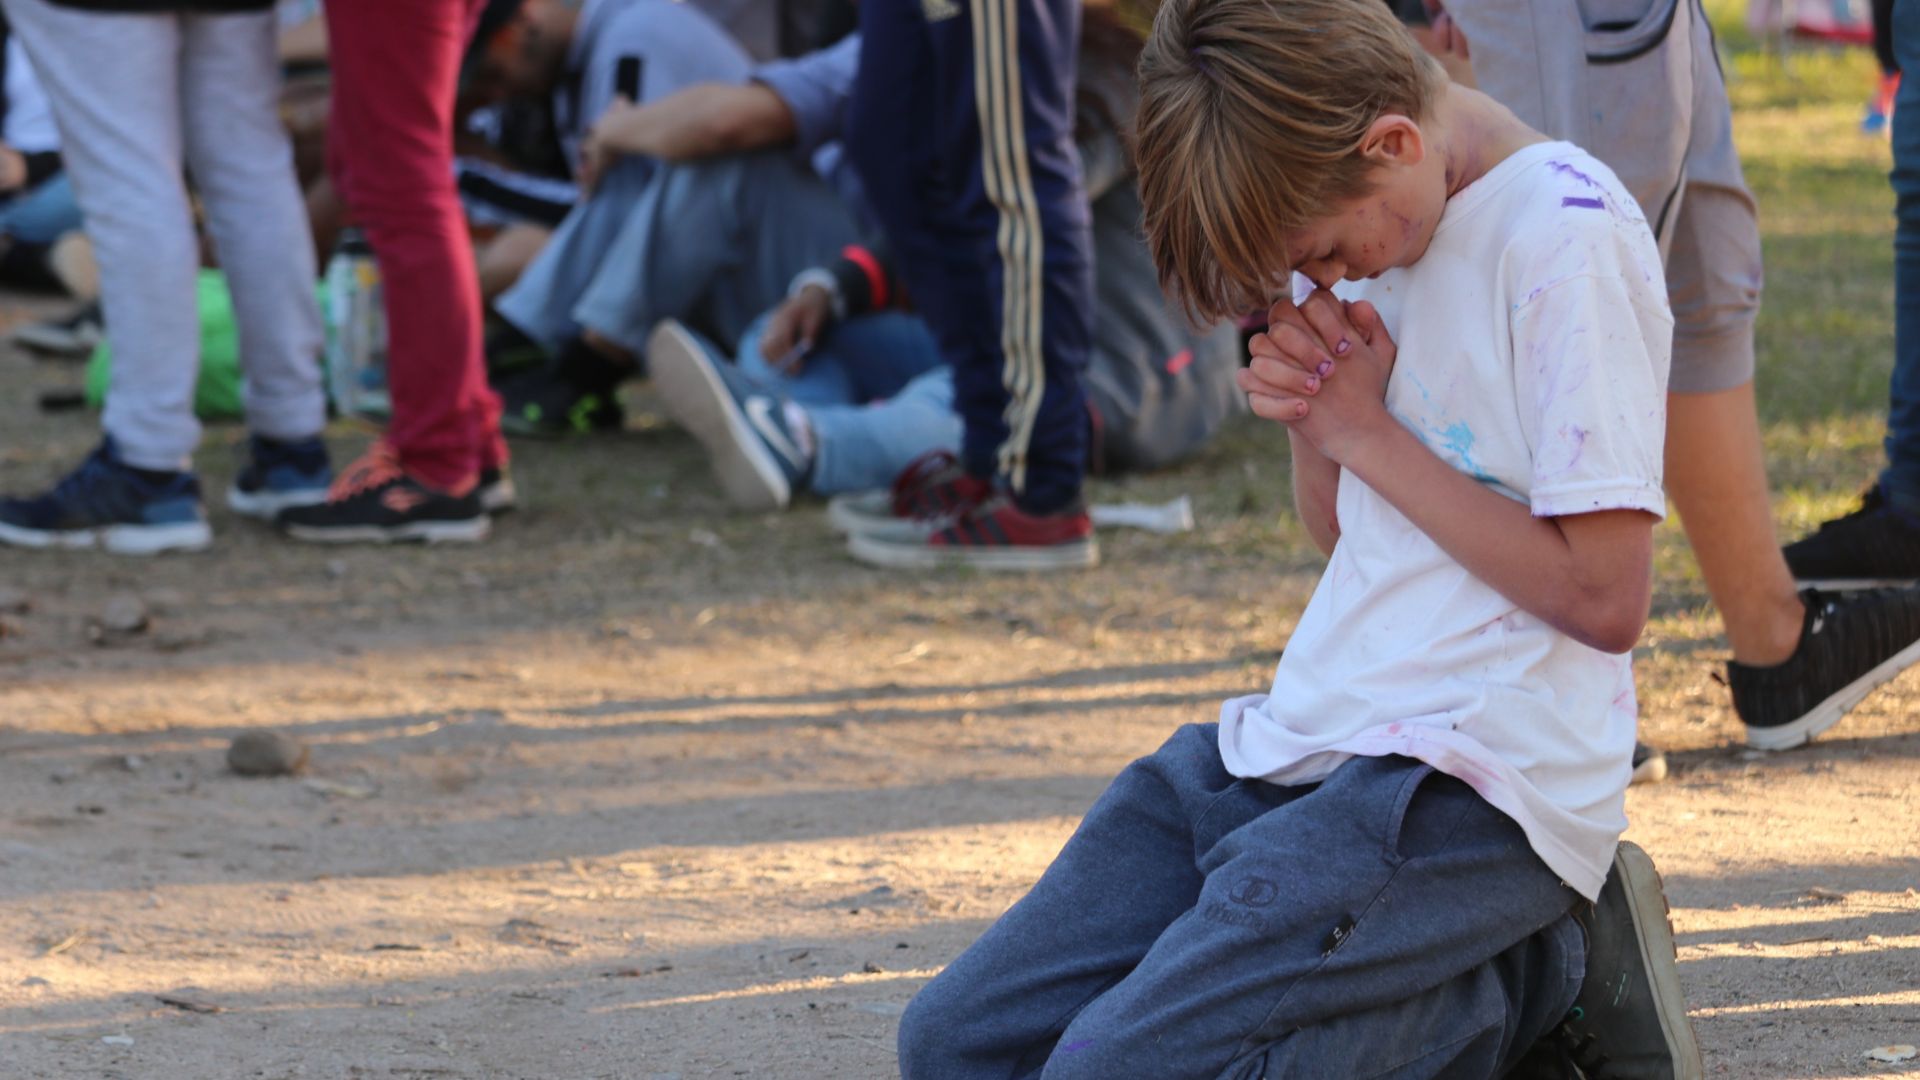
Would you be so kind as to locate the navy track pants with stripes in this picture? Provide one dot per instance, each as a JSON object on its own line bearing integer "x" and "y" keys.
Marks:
{"x": 962, "y": 133}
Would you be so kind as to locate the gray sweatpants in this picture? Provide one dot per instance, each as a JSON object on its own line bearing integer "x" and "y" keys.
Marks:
{"x": 1636, "y": 84}
{"x": 137, "y": 97}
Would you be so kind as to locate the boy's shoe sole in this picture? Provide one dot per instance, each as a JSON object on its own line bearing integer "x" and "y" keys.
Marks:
{"x": 266, "y": 505}
{"x": 916, "y": 553}
{"x": 699, "y": 402}
{"x": 1828, "y": 713}
{"x": 870, "y": 513}
{"x": 115, "y": 539}
{"x": 1644, "y": 898}
{"x": 469, "y": 531}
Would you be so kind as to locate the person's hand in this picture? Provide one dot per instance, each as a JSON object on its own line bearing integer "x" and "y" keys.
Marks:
{"x": 609, "y": 137}
{"x": 794, "y": 327}
{"x": 13, "y": 169}
{"x": 1321, "y": 368}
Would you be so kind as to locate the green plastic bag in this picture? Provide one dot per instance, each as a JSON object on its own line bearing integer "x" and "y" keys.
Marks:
{"x": 218, "y": 394}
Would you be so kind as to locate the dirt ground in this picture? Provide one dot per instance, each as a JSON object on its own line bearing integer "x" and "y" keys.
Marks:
{"x": 644, "y": 789}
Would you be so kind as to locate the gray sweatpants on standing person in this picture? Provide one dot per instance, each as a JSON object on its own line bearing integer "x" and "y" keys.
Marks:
{"x": 137, "y": 97}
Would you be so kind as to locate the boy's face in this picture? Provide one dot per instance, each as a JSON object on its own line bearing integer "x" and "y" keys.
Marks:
{"x": 1389, "y": 226}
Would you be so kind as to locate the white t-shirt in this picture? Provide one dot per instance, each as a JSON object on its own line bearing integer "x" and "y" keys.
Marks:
{"x": 1534, "y": 338}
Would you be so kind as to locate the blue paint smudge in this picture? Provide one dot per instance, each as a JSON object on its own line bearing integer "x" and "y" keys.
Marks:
{"x": 1591, "y": 204}
{"x": 1072, "y": 1048}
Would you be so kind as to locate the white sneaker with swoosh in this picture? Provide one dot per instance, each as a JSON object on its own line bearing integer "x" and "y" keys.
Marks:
{"x": 742, "y": 425}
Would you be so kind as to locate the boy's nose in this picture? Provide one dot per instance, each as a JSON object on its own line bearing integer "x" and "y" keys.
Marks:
{"x": 1327, "y": 273}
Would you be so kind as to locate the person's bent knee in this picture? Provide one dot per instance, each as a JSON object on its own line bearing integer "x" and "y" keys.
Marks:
{"x": 925, "y": 1040}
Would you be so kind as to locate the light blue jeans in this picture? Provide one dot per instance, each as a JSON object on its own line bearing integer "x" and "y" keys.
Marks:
{"x": 42, "y": 214}
{"x": 1385, "y": 922}
{"x": 877, "y": 393}
{"x": 711, "y": 243}
{"x": 1901, "y": 480}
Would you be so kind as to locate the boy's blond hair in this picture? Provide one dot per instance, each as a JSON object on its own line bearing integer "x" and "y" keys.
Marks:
{"x": 1251, "y": 117}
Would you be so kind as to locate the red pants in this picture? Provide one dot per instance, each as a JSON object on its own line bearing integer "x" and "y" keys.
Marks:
{"x": 396, "y": 66}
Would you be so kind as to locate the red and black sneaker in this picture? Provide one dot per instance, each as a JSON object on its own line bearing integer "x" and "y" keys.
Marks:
{"x": 994, "y": 535}
{"x": 375, "y": 501}
{"x": 929, "y": 493}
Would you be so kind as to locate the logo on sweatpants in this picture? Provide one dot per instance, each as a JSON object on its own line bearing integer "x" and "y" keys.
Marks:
{"x": 939, "y": 10}
{"x": 1255, "y": 892}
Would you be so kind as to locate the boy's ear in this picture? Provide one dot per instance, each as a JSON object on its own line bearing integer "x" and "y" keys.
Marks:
{"x": 1394, "y": 139}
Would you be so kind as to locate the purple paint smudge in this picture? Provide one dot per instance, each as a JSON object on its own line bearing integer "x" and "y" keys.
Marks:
{"x": 1071, "y": 1048}
{"x": 1563, "y": 167}
{"x": 1591, "y": 204}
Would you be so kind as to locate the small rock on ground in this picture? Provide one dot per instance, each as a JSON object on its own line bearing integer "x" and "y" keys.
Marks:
{"x": 266, "y": 753}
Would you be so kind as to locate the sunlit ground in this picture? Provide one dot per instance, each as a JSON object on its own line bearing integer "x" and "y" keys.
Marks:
{"x": 642, "y": 788}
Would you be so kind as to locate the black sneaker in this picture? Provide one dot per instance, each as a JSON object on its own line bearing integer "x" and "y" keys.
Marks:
{"x": 1874, "y": 547}
{"x": 542, "y": 403}
{"x": 109, "y": 504}
{"x": 1629, "y": 1021}
{"x": 508, "y": 350}
{"x": 755, "y": 453}
{"x": 1649, "y": 764}
{"x": 74, "y": 336}
{"x": 374, "y": 501}
{"x": 1848, "y": 647}
{"x": 280, "y": 475}
{"x": 497, "y": 493}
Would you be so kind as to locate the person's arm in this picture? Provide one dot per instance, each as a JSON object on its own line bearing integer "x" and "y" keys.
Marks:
{"x": 702, "y": 121}
{"x": 1588, "y": 575}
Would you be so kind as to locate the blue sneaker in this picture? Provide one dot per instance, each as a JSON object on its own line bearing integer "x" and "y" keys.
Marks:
{"x": 107, "y": 504}
{"x": 279, "y": 476}
{"x": 756, "y": 453}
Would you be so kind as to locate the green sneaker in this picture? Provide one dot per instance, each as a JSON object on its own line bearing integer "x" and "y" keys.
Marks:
{"x": 1629, "y": 1021}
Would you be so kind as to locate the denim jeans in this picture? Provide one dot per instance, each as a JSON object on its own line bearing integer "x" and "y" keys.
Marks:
{"x": 877, "y": 393}
{"x": 1384, "y": 922}
{"x": 43, "y": 214}
{"x": 711, "y": 243}
{"x": 1901, "y": 480}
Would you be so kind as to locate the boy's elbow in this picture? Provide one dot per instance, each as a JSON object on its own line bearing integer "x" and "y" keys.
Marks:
{"x": 1609, "y": 624}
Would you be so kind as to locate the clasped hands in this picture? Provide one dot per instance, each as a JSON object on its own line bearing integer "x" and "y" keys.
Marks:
{"x": 1321, "y": 368}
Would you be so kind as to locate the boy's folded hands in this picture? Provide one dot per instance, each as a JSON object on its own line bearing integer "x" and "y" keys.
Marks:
{"x": 1321, "y": 368}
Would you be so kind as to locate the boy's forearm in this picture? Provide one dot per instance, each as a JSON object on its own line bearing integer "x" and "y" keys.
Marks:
{"x": 1316, "y": 491}
{"x": 1598, "y": 598}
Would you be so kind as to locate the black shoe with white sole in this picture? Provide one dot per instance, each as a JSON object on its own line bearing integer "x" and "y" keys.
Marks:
{"x": 755, "y": 452}
{"x": 280, "y": 475}
{"x": 375, "y": 502}
{"x": 1848, "y": 647}
{"x": 1876, "y": 546}
{"x": 1649, "y": 764}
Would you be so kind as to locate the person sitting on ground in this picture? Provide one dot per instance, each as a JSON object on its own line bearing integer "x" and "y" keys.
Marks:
{"x": 683, "y": 218}
{"x": 37, "y": 209}
{"x": 1406, "y": 857}
{"x": 843, "y": 391}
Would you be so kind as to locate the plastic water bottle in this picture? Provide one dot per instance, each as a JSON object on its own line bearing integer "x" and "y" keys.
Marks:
{"x": 356, "y": 330}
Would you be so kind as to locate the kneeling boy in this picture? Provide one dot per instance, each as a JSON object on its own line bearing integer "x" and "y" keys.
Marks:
{"x": 1385, "y": 865}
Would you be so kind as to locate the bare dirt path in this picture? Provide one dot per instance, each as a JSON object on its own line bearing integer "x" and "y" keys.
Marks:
{"x": 641, "y": 789}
